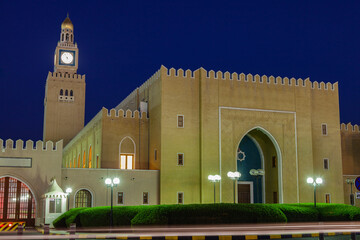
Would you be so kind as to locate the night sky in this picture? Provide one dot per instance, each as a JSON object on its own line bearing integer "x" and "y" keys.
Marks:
{"x": 122, "y": 43}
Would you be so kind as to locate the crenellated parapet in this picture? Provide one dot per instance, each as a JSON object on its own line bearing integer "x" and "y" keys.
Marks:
{"x": 71, "y": 77}
{"x": 114, "y": 113}
{"x": 29, "y": 145}
{"x": 249, "y": 78}
{"x": 349, "y": 128}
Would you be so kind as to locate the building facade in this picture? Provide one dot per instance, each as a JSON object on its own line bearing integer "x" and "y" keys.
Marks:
{"x": 170, "y": 134}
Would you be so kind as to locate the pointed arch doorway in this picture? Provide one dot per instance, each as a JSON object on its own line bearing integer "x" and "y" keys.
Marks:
{"x": 259, "y": 150}
{"x": 17, "y": 202}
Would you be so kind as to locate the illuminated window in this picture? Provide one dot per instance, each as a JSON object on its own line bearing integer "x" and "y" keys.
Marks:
{"x": 326, "y": 163}
{"x": 180, "y": 121}
{"x": 97, "y": 161}
{"x": 90, "y": 157}
{"x": 145, "y": 198}
{"x": 74, "y": 162}
{"x": 84, "y": 160}
{"x": 327, "y": 198}
{"x": 180, "y": 198}
{"x": 127, "y": 161}
{"x": 180, "y": 159}
{"x": 83, "y": 198}
{"x": 120, "y": 198}
{"x": 324, "y": 129}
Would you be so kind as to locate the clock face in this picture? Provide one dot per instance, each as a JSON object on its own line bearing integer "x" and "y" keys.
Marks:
{"x": 67, "y": 57}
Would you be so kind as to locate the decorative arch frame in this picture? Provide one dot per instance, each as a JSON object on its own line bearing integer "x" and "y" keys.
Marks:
{"x": 278, "y": 153}
{"x": 128, "y": 153}
{"x": 29, "y": 186}
{"x": 87, "y": 189}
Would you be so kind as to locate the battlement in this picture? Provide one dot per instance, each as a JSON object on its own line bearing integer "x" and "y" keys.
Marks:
{"x": 124, "y": 114}
{"x": 349, "y": 128}
{"x": 67, "y": 76}
{"x": 29, "y": 145}
{"x": 249, "y": 78}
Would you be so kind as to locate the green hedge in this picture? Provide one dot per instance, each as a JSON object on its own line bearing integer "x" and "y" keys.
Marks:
{"x": 222, "y": 213}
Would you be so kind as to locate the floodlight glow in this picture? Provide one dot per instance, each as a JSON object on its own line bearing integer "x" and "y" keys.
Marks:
{"x": 237, "y": 174}
{"x": 108, "y": 181}
{"x": 211, "y": 177}
{"x": 68, "y": 190}
{"x": 230, "y": 174}
{"x": 217, "y": 177}
{"x": 261, "y": 172}
{"x": 319, "y": 181}
{"x": 309, "y": 180}
{"x": 116, "y": 180}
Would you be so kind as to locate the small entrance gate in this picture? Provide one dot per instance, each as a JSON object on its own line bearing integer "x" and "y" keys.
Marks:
{"x": 17, "y": 203}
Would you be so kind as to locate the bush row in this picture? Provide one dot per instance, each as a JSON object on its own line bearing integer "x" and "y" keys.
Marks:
{"x": 222, "y": 213}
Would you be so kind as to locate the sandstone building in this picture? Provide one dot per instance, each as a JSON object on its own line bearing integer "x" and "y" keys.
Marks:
{"x": 170, "y": 134}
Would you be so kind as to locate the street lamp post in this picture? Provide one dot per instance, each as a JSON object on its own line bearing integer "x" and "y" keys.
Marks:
{"x": 257, "y": 173}
{"x": 112, "y": 183}
{"x": 315, "y": 183}
{"x": 234, "y": 176}
{"x": 68, "y": 191}
{"x": 351, "y": 182}
{"x": 214, "y": 179}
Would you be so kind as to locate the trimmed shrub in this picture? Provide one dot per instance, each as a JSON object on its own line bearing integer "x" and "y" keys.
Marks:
{"x": 208, "y": 214}
{"x": 338, "y": 212}
{"x": 65, "y": 219}
{"x": 299, "y": 212}
{"x": 100, "y": 216}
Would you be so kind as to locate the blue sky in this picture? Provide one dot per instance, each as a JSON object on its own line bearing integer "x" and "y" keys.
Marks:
{"x": 122, "y": 43}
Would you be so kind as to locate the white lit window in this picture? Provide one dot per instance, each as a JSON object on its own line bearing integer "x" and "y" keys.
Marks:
{"x": 126, "y": 161}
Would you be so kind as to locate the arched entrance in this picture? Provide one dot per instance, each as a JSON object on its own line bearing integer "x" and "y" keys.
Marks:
{"x": 258, "y": 152}
{"x": 17, "y": 202}
{"x": 83, "y": 198}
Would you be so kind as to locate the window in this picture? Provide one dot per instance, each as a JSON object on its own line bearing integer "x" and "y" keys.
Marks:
{"x": 79, "y": 161}
{"x": 327, "y": 198}
{"x": 83, "y": 198}
{"x": 180, "y": 159}
{"x": 61, "y": 92}
{"x": 84, "y": 160}
{"x": 155, "y": 154}
{"x": 66, "y": 92}
{"x": 324, "y": 129}
{"x": 180, "y": 121}
{"x": 90, "y": 157}
{"x": 54, "y": 205}
{"x": 97, "y": 161}
{"x": 71, "y": 93}
{"x": 326, "y": 163}
{"x": 145, "y": 198}
{"x": 120, "y": 198}
{"x": 127, "y": 161}
{"x": 180, "y": 198}
{"x": 274, "y": 161}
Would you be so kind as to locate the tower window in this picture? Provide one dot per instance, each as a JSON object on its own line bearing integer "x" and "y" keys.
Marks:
{"x": 66, "y": 93}
{"x": 180, "y": 159}
{"x": 67, "y": 37}
{"x": 71, "y": 93}
{"x": 61, "y": 92}
{"x": 326, "y": 163}
{"x": 180, "y": 121}
{"x": 274, "y": 161}
{"x": 71, "y": 37}
{"x": 62, "y": 37}
{"x": 324, "y": 129}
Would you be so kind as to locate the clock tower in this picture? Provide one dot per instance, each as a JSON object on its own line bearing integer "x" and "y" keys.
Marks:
{"x": 64, "y": 103}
